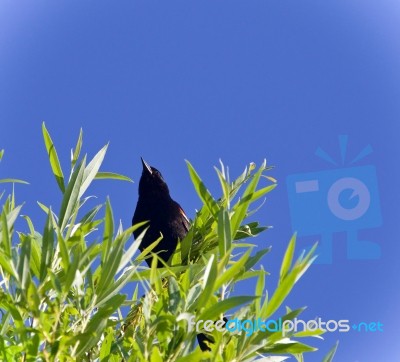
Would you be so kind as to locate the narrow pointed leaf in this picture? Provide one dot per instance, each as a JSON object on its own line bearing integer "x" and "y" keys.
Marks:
{"x": 5, "y": 234}
{"x": 331, "y": 354}
{"x": 92, "y": 168}
{"x": 287, "y": 259}
{"x": 112, "y": 176}
{"x": 234, "y": 271}
{"x": 24, "y": 262}
{"x": 53, "y": 157}
{"x": 108, "y": 231}
{"x": 202, "y": 191}
{"x": 224, "y": 232}
{"x": 70, "y": 201}
{"x": 242, "y": 206}
{"x": 13, "y": 180}
{"x": 47, "y": 247}
{"x": 77, "y": 150}
{"x": 225, "y": 305}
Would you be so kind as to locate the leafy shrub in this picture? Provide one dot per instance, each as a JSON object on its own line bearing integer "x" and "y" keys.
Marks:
{"x": 61, "y": 295}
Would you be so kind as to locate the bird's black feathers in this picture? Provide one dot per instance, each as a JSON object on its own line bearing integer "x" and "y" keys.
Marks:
{"x": 165, "y": 216}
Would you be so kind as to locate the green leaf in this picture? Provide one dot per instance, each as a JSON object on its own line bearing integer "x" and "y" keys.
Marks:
{"x": 53, "y": 157}
{"x": 280, "y": 294}
{"x": 77, "y": 151}
{"x": 309, "y": 333}
{"x": 70, "y": 200}
{"x": 208, "y": 280}
{"x": 32, "y": 346}
{"x": 47, "y": 247}
{"x": 30, "y": 224}
{"x": 259, "y": 290}
{"x": 90, "y": 215}
{"x": 174, "y": 295}
{"x": 156, "y": 355}
{"x": 237, "y": 184}
{"x": 303, "y": 263}
{"x": 144, "y": 253}
{"x": 242, "y": 205}
{"x": 33, "y": 299}
{"x": 155, "y": 278}
{"x": 108, "y": 231}
{"x": 12, "y": 217}
{"x": 288, "y": 347}
{"x": 14, "y": 311}
{"x": 233, "y": 272}
{"x": 224, "y": 185}
{"x": 97, "y": 324}
{"x": 112, "y": 176}
{"x": 331, "y": 353}
{"x": 35, "y": 254}
{"x": 196, "y": 355}
{"x": 248, "y": 230}
{"x": 224, "y": 232}
{"x": 225, "y": 305}
{"x": 91, "y": 169}
{"x": 72, "y": 273}
{"x": 202, "y": 191}
{"x": 24, "y": 263}
{"x": 260, "y": 193}
{"x": 55, "y": 281}
{"x": 6, "y": 241}
{"x": 13, "y": 180}
{"x": 116, "y": 286}
{"x": 128, "y": 254}
{"x": 287, "y": 259}
{"x": 64, "y": 252}
{"x": 43, "y": 207}
{"x": 105, "y": 349}
{"x": 6, "y": 264}
{"x": 253, "y": 260}
{"x": 110, "y": 266}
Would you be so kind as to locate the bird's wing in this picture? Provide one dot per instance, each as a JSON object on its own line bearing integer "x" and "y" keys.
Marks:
{"x": 185, "y": 220}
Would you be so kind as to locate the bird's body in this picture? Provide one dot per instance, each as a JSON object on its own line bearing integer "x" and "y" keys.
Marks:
{"x": 165, "y": 216}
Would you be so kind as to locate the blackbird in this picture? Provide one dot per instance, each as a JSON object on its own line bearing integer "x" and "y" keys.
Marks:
{"x": 166, "y": 218}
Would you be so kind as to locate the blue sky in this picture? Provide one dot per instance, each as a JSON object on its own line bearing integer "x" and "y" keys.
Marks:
{"x": 238, "y": 80}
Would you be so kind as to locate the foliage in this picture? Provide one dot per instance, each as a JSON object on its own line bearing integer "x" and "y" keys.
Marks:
{"x": 62, "y": 295}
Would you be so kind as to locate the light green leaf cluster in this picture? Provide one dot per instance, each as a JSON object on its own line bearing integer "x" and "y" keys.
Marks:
{"x": 62, "y": 295}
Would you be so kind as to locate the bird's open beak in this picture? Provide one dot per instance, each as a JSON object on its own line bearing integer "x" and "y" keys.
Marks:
{"x": 146, "y": 166}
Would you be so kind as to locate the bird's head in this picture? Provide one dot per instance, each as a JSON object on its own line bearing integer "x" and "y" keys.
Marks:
{"x": 151, "y": 182}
